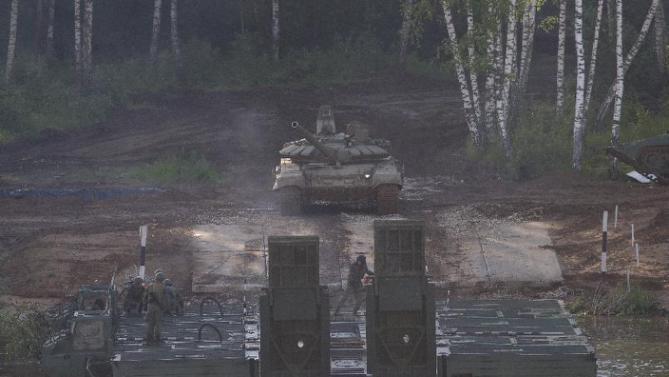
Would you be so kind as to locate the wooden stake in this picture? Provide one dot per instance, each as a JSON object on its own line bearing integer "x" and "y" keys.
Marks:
{"x": 629, "y": 288}
{"x": 605, "y": 231}
{"x": 636, "y": 252}
{"x": 633, "y": 235}
{"x": 615, "y": 218}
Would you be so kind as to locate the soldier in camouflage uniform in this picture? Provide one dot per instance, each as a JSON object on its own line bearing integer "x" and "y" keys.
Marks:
{"x": 156, "y": 304}
{"x": 134, "y": 298}
{"x": 355, "y": 289}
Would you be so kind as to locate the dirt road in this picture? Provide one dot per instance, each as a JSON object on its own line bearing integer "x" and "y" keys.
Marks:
{"x": 80, "y": 221}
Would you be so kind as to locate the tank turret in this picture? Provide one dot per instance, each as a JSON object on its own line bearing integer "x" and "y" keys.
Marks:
{"x": 649, "y": 157}
{"x": 337, "y": 156}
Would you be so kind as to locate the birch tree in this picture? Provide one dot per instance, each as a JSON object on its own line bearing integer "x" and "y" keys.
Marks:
{"x": 529, "y": 29}
{"x": 77, "y": 36}
{"x": 579, "y": 111}
{"x": 407, "y": 10}
{"x": 509, "y": 71}
{"x": 493, "y": 52}
{"x": 620, "y": 75}
{"x": 174, "y": 33}
{"x": 629, "y": 58}
{"x": 87, "y": 50}
{"x": 49, "y": 30}
{"x": 660, "y": 38}
{"x": 593, "y": 55}
{"x": 470, "y": 117}
{"x": 473, "y": 74}
{"x": 562, "y": 38}
{"x": 276, "y": 29}
{"x": 155, "y": 34}
{"x": 11, "y": 43}
{"x": 38, "y": 23}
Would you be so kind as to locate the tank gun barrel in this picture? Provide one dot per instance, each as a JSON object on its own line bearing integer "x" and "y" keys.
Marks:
{"x": 311, "y": 138}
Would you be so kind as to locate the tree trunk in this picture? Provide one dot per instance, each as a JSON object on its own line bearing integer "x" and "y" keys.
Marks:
{"x": 49, "y": 30}
{"x": 529, "y": 28}
{"x": 11, "y": 44}
{"x": 407, "y": 10}
{"x": 562, "y": 38}
{"x": 77, "y": 36}
{"x": 509, "y": 71}
{"x": 604, "y": 108}
{"x": 660, "y": 38}
{"x": 593, "y": 56}
{"x": 38, "y": 26}
{"x": 470, "y": 116}
{"x": 276, "y": 29}
{"x": 88, "y": 39}
{"x": 579, "y": 114}
{"x": 174, "y": 32}
{"x": 155, "y": 34}
{"x": 620, "y": 74}
{"x": 473, "y": 75}
{"x": 493, "y": 51}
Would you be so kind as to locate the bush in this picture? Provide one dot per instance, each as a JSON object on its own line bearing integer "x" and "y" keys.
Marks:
{"x": 182, "y": 168}
{"x": 617, "y": 301}
{"x": 22, "y": 334}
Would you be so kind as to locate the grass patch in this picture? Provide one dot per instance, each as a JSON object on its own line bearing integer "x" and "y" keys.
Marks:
{"x": 22, "y": 333}
{"x": 617, "y": 301}
{"x": 185, "y": 168}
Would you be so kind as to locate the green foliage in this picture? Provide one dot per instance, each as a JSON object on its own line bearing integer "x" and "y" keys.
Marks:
{"x": 617, "y": 301}
{"x": 183, "y": 168}
{"x": 22, "y": 334}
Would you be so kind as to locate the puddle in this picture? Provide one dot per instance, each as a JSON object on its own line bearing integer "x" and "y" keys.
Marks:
{"x": 630, "y": 347}
{"x": 81, "y": 193}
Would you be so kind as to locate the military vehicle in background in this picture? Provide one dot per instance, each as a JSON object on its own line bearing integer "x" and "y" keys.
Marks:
{"x": 650, "y": 157}
{"x": 338, "y": 168}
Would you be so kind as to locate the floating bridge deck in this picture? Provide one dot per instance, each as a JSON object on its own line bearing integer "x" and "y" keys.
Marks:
{"x": 496, "y": 338}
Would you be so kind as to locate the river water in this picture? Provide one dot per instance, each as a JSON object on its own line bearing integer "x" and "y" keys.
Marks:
{"x": 630, "y": 347}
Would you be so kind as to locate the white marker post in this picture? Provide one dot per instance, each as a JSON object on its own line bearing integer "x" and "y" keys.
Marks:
{"x": 636, "y": 252}
{"x": 605, "y": 236}
{"x": 633, "y": 236}
{"x": 615, "y": 218}
{"x": 143, "y": 233}
{"x": 629, "y": 288}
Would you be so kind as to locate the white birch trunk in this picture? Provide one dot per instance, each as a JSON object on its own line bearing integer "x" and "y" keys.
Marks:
{"x": 631, "y": 54}
{"x": 49, "y": 30}
{"x": 87, "y": 56}
{"x": 174, "y": 32}
{"x": 660, "y": 38}
{"x": 155, "y": 32}
{"x": 492, "y": 51}
{"x": 509, "y": 72}
{"x": 11, "y": 43}
{"x": 593, "y": 55}
{"x": 276, "y": 29}
{"x": 620, "y": 75}
{"x": 77, "y": 36}
{"x": 473, "y": 75}
{"x": 470, "y": 117}
{"x": 579, "y": 114}
{"x": 529, "y": 28}
{"x": 562, "y": 38}
{"x": 407, "y": 10}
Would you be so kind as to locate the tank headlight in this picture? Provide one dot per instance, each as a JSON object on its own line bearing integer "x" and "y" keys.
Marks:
{"x": 367, "y": 176}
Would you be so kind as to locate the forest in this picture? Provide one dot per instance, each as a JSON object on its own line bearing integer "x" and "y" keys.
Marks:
{"x": 72, "y": 63}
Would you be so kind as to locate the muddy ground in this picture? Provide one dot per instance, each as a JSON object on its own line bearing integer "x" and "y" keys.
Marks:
{"x": 484, "y": 232}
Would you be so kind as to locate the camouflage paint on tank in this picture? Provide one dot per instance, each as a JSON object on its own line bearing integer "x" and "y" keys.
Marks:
{"x": 649, "y": 157}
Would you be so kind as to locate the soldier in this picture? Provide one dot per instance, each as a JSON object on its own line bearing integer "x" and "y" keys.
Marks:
{"x": 134, "y": 297}
{"x": 174, "y": 301}
{"x": 355, "y": 288}
{"x": 156, "y": 304}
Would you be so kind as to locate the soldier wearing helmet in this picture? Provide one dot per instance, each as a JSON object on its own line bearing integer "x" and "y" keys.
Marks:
{"x": 355, "y": 288}
{"x": 156, "y": 304}
{"x": 134, "y": 297}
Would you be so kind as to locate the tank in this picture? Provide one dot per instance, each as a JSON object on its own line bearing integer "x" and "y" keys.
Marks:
{"x": 331, "y": 167}
{"x": 649, "y": 157}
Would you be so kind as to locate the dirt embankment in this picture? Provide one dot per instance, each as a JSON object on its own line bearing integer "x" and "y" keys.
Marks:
{"x": 49, "y": 245}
